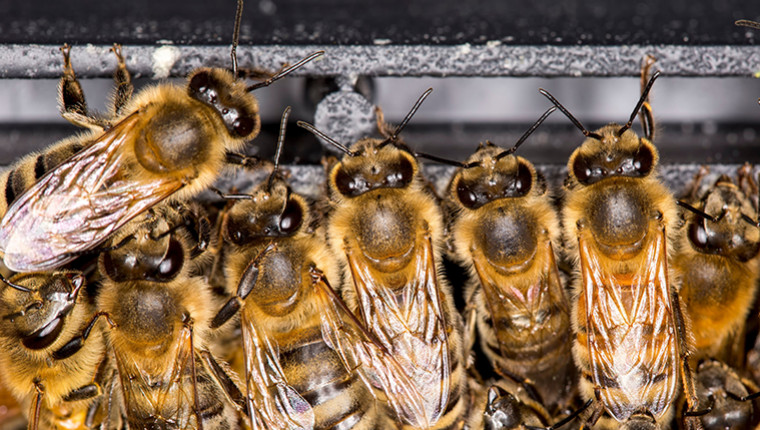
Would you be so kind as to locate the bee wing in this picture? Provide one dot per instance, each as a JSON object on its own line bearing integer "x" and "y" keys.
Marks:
{"x": 630, "y": 330}
{"x": 78, "y": 204}
{"x": 506, "y": 301}
{"x": 169, "y": 394}
{"x": 360, "y": 351}
{"x": 410, "y": 324}
{"x": 271, "y": 402}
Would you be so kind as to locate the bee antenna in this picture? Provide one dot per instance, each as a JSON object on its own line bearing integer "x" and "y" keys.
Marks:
{"x": 285, "y": 72}
{"x": 445, "y": 160}
{"x": 313, "y": 130}
{"x": 569, "y": 115}
{"x": 14, "y": 286}
{"x": 747, "y": 23}
{"x": 692, "y": 209}
{"x": 642, "y": 99}
{"x": 280, "y": 141}
{"x": 400, "y": 127}
{"x": 236, "y": 37}
{"x": 526, "y": 134}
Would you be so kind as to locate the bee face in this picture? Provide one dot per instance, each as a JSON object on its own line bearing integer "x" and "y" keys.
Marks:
{"x": 219, "y": 90}
{"x": 731, "y": 235}
{"x": 38, "y": 317}
{"x": 270, "y": 213}
{"x": 377, "y": 165}
{"x": 626, "y": 155}
{"x": 493, "y": 178}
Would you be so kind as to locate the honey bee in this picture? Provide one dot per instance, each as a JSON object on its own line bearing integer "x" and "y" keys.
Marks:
{"x": 725, "y": 395}
{"x": 293, "y": 322}
{"x": 166, "y": 142}
{"x": 631, "y": 338}
{"x": 45, "y": 363}
{"x": 387, "y": 228}
{"x": 505, "y": 230}
{"x": 717, "y": 257}
{"x": 168, "y": 376}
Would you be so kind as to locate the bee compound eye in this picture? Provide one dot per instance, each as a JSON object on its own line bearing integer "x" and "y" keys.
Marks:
{"x": 243, "y": 126}
{"x": 291, "y": 217}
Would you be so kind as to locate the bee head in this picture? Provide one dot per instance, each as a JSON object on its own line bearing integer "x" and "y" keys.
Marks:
{"x": 374, "y": 165}
{"x": 269, "y": 213}
{"x": 612, "y": 151}
{"x": 728, "y": 232}
{"x": 492, "y": 174}
{"x": 37, "y": 317}
{"x": 154, "y": 252}
{"x": 228, "y": 97}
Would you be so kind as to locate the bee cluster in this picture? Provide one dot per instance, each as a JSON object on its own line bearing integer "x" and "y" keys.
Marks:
{"x": 129, "y": 302}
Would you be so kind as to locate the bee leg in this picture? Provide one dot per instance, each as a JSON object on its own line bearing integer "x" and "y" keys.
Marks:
{"x": 234, "y": 395}
{"x": 34, "y": 415}
{"x": 247, "y": 282}
{"x": 525, "y": 383}
{"x": 565, "y": 420}
{"x": 188, "y": 325}
{"x": 71, "y": 97}
{"x": 75, "y": 344}
{"x": 687, "y": 376}
{"x": 691, "y": 195}
{"x": 746, "y": 181}
{"x": 123, "y": 80}
{"x": 94, "y": 407}
{"x": 245, "y": 160}
{"x": 84, "y": 392}
{"x": 470, "y": 316}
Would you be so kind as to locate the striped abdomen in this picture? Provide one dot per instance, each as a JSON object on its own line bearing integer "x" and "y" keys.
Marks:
{"x": 20, "y": 176}
{"x": 339, "y": 398}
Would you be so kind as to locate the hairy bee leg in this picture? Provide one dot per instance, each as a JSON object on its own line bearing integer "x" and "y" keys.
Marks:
{"x": 71, "y": 97}
{"x": 470, "y": 316}
{"x": 687, "y": 375}
{"x": 596, "y": 412}
{"x": 247, "y": 282}
{"x": 245, "y": 160}
{"x": 645, "y": 115}
{"x": 84, "y": 392}
{"x": 746, "y": 181}
{"x": 34, "y": 415}
{"x": 100, "y": 375}
{"x": 123, "y": 81}
{"x": 187, "y": 321}
{"x": 234, "y": 395}
{"x": 75, "y": 344}
{"x": 696, "y": 182}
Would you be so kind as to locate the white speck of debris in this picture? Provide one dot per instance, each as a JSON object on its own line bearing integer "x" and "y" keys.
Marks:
{"x": 91, "y": 49}
{"x": 164, "y": 42}
{"x": 493, "y": 43}
{"x": 382, "y": 42}
{"x": 163, "y": 60}
{"x": 465, "y": 48}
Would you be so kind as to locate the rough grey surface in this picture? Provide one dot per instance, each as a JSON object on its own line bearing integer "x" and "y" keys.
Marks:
{"x": 496, "y": 59}
{"x": 345, "y": 116}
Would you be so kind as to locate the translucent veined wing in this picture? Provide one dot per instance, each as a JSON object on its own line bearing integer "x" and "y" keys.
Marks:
{"x": 632, "y": 342}
{"x": 271, "y": 402}
{"x": 78, "y": 204}
{"x": 168, "y": 395}
{"x": 360, "y": 352}
{"x": 410, "y": 324}
{"x": 506, "y": 302}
